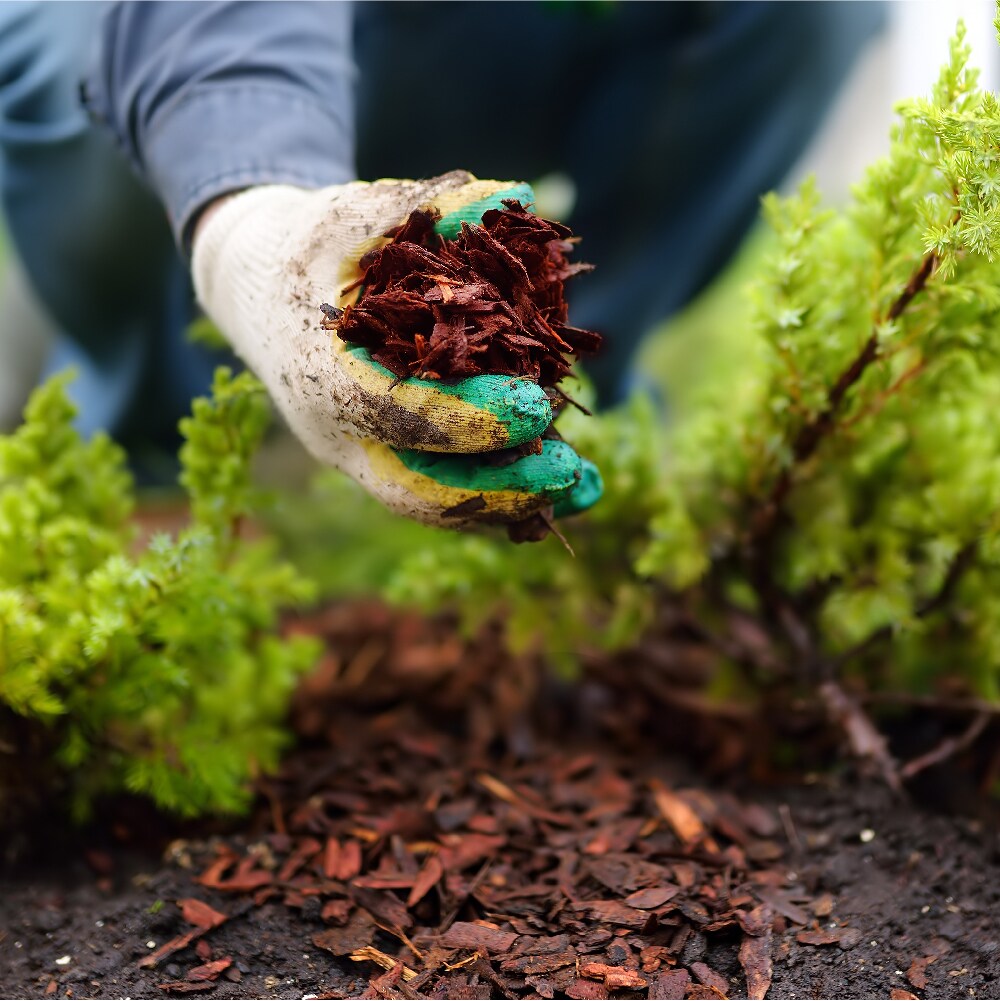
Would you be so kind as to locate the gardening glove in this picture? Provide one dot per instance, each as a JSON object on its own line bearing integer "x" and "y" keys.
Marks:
{"x": 266, "y": 259}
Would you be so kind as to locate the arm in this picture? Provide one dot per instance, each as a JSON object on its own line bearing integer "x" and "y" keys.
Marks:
{"x": 207, "y": 98}
{"x": 210, "y": 99}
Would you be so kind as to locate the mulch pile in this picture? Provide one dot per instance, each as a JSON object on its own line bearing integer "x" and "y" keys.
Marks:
{"x": 452, "y": 825}
{"x": 447, "y": 863}
{"x": 489, "y": 301}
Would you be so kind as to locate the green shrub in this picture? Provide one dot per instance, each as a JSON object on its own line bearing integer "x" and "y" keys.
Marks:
{"x": 546, "y": 597}
{"x": 157, "y": 670}
{"x": 842, "y": 487}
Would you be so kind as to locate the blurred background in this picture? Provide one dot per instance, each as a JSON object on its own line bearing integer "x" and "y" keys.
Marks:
{"x": 903, "y": 62}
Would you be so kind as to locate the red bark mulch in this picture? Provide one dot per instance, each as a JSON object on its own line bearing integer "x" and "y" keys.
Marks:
{"x": 490, "y": 301}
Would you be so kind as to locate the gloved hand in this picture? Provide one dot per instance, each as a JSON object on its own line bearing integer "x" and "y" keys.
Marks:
{"x": 266, "y": 259}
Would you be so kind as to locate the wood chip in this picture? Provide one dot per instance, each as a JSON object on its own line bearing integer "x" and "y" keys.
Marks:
{"x": 705, "y": 992}
{"x": 818, "y": 936}
{"x": 614, "y": 977}
{"x": 755, "y": 958}
{"x": 614, "y": 912}
{"x": 490, "y": 300}
{"x": 168, "y": 948}
{"x": 385, "y": 907}
{"x": 508, "y": 795}
{"x": 670, "y": 985}
{"x": 707, "y": 976}
{"x": 197, "y": 912}
{"x": 531, "y": 945}
{"x": 685, "y": 823}
{"x": 495, "y": 875}
{"x": 470, "y": 935}
{"x": 369, "y": 954}
{"x": 917, "y": 973}
{"x": 357, "y": 933}
{"x": 428, "y": 877}
{"x": 547, "y": 963}
{"x": 210, "y": 970}
{"x": 586, "y": 990}
{"x": 652, "y": 897}
{"x": 779, "y": 901}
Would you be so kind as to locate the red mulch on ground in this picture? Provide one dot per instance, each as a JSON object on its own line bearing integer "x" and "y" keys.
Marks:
{"x": 451, "y": 829}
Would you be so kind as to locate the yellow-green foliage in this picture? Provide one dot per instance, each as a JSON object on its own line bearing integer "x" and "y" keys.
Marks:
{"x": 155, "y": 670}
{"x": 552, "y": 599}
{"x": 860, "y": 505}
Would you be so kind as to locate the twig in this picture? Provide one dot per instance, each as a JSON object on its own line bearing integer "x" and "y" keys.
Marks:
{"x": 692, "y": 702}
{"x": 882, "y": 398}
{"x": 865, "y": 739}
{"x": 812, "y": 433}
{"x": 573, "y": 403}
{"x": 948, "y": 747}
{"x": 555, "y": 531}
{"x": 369, "y": 954}
{"x": 723, "y": 644}
{"x": 396, "y": 932}
{"x": 275, "y": 808}
{"x": 791, "y": 832}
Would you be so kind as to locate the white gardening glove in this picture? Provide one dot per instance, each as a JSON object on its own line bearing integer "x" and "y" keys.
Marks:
{"x": 266, "y": 259}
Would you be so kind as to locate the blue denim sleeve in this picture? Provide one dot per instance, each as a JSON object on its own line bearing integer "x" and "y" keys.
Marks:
{"x": 206, "y": 98}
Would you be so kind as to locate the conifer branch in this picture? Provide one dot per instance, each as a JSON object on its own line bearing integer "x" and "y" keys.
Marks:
{"x": 812, "y": 433}
{"x": 961, "y": 562}
{"x": 759, "y": 547}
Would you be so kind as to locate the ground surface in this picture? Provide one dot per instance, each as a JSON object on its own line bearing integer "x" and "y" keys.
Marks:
{"x": 456, "y": 846}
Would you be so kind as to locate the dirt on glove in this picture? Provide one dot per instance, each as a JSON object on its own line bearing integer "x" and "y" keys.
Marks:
{"x": 490, "y": 301}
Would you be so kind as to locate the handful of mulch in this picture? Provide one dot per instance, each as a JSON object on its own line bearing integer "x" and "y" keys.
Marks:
{"x": 489, "y": 301}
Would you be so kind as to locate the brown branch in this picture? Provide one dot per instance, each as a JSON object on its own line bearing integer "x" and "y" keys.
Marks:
{"x": 866, "y": 741}
{"x": 882, "y": 398}
{"x": 776, "y": 606}
{"x": 948, "y": 747}
{"x": 690, "y": 701}
{"x": 812, "y": 433}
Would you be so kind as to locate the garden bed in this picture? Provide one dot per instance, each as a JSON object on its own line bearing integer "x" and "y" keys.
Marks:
{"x": 494, "y": 834}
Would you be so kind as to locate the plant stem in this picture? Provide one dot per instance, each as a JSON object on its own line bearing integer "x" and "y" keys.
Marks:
{"x": 864, "y": 737}
{"x": 812, "y": 433}
{"x": 758, "y": 550}
{"x": 948, "y": 747}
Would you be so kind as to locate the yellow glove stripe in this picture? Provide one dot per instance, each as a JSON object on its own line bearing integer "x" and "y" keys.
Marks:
{"x": 500, "y": 505}
{"x": 460, "y": 425}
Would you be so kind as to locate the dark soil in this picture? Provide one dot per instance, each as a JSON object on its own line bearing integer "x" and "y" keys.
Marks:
{"x": 565, "y": 851}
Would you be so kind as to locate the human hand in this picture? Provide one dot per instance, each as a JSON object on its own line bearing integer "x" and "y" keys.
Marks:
{"x": 263, "y": 262}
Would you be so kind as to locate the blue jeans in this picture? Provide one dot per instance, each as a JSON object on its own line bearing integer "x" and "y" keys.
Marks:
{"x": 671, "y": 119}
